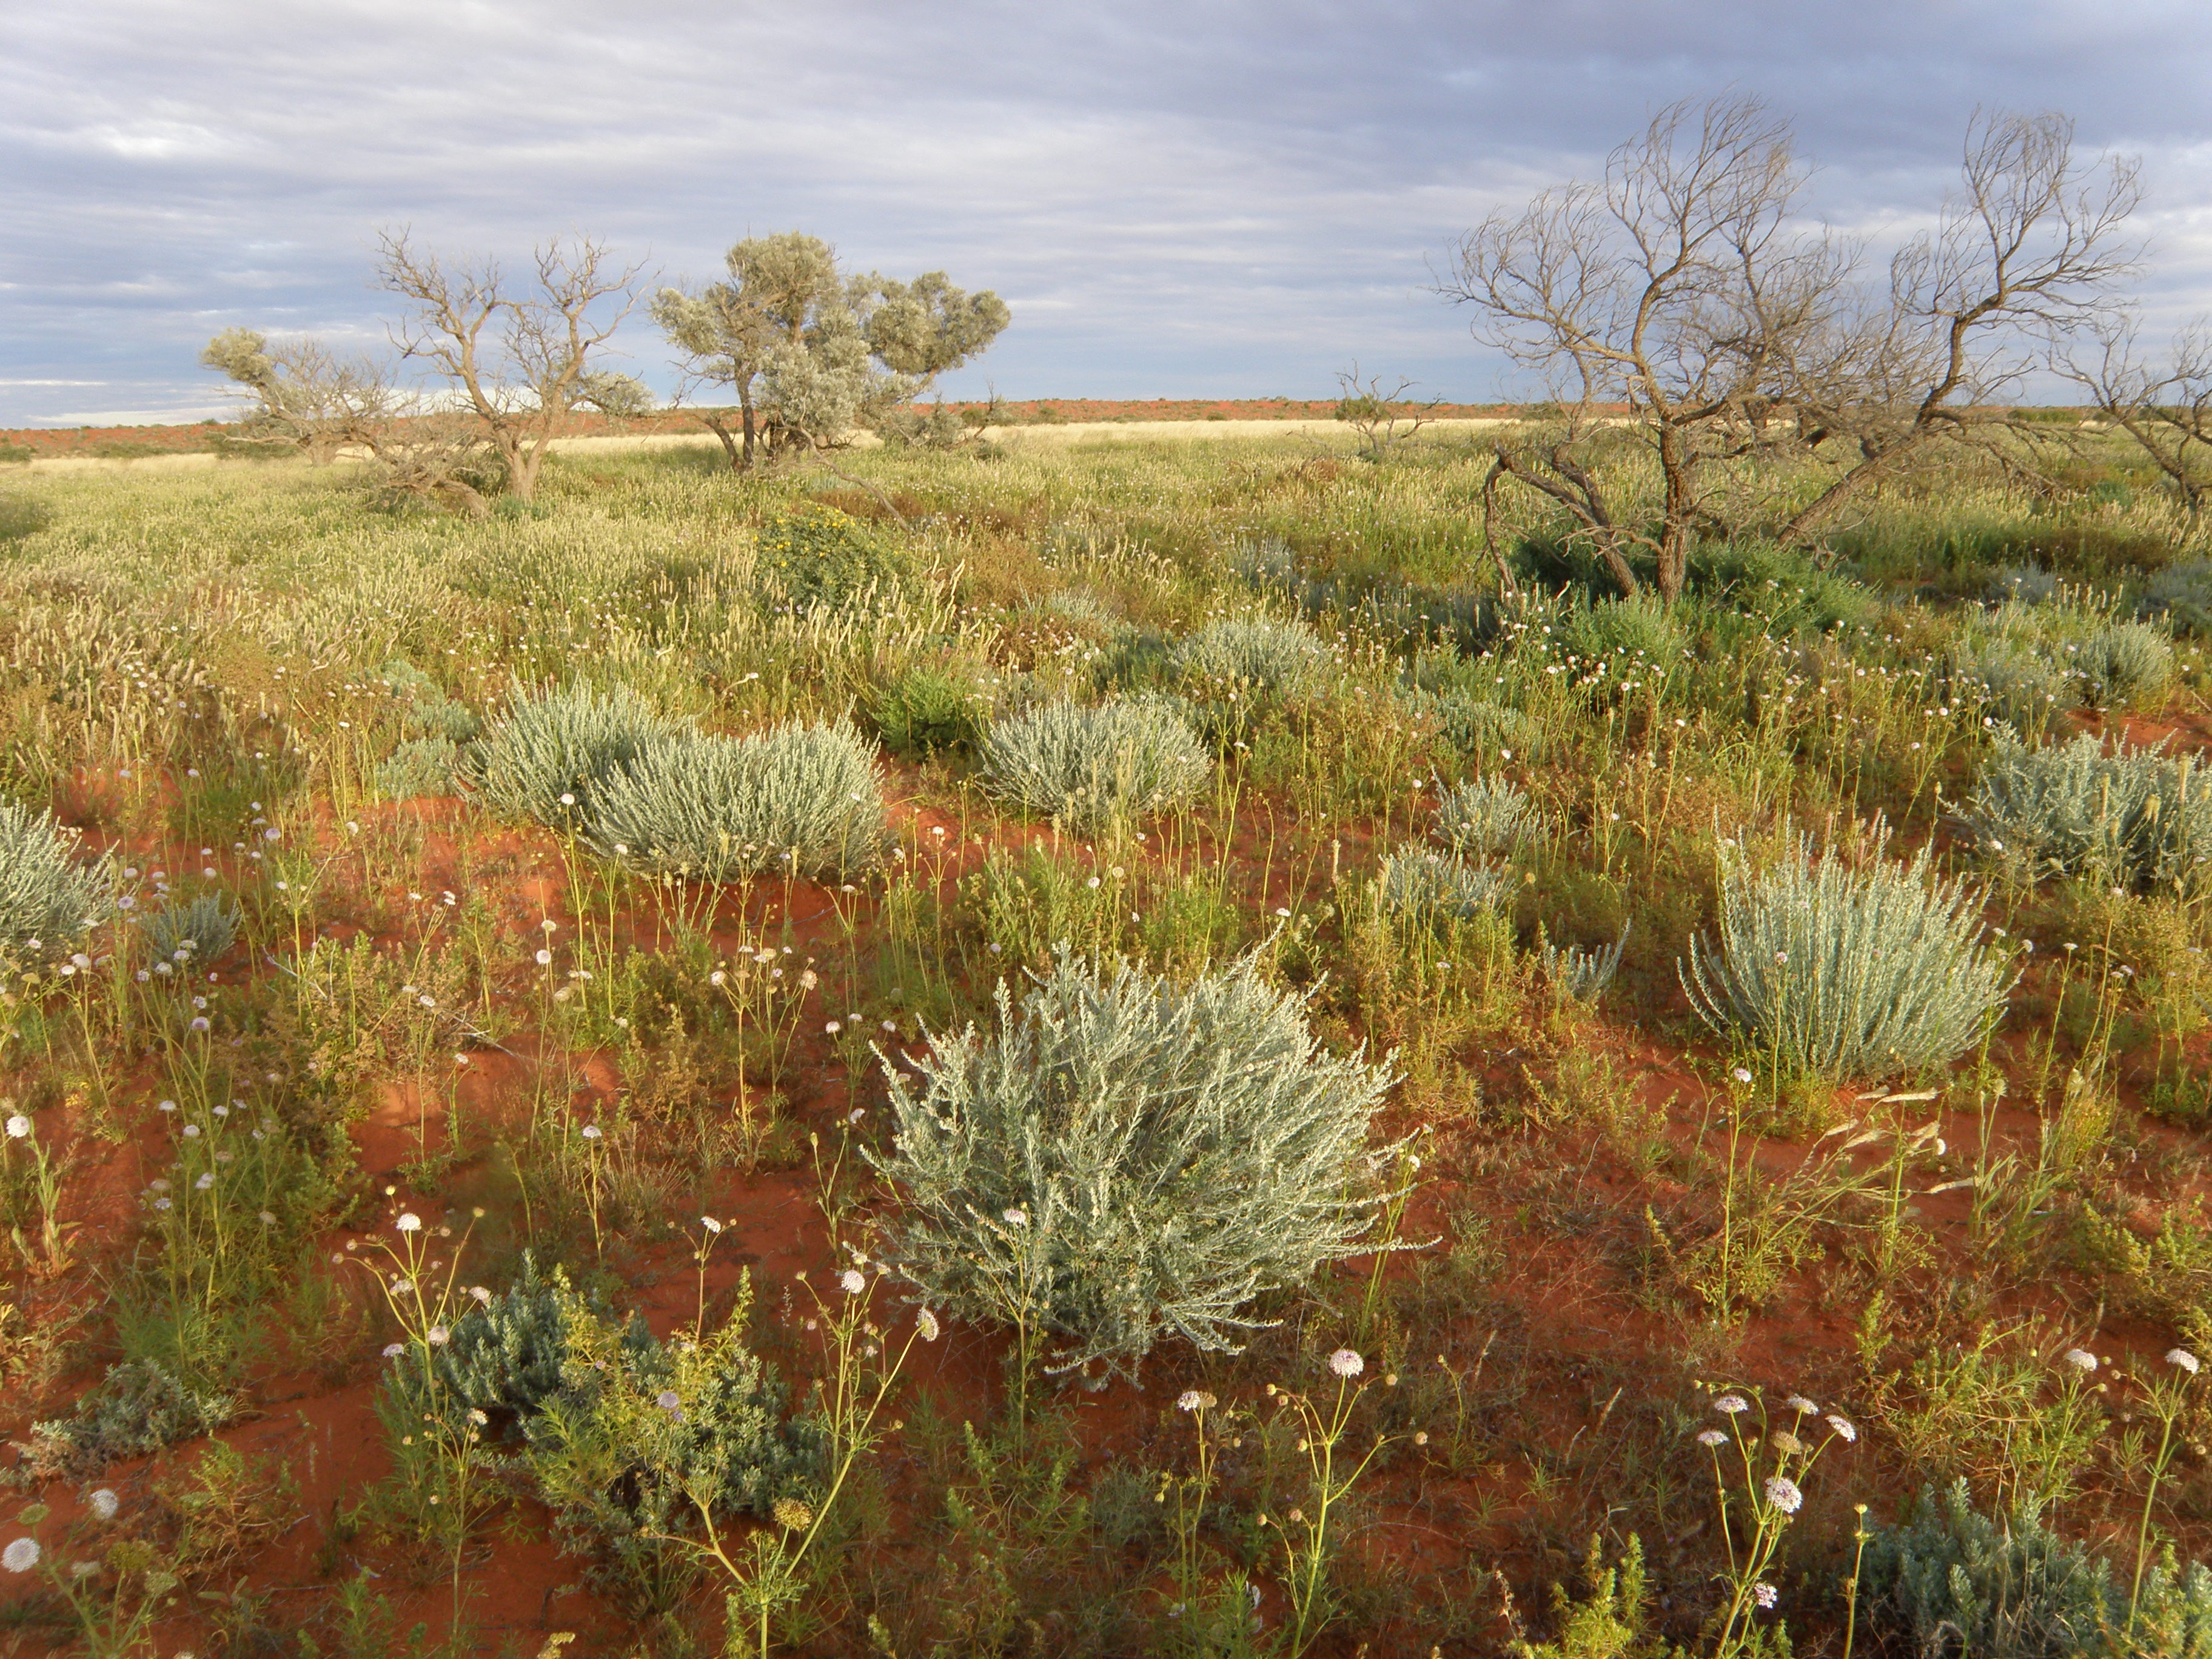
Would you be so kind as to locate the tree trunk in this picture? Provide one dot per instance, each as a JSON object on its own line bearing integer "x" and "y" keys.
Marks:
{"x": 715, "y": 424}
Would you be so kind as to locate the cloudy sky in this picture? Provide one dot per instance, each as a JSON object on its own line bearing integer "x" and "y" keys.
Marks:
{"x": 1205, "y": 198}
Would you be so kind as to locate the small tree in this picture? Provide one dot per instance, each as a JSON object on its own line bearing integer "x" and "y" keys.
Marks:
{"x": 517, "y": 364}
{"x": 2164, "y": 404}
{"x": 305, "y": 397}
{"x": 1383, "y": 419}
{"x": 807, "y": 351}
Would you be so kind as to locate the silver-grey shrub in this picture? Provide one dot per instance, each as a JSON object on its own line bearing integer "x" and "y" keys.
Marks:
{"x": 2022, "y": 690}
{"x": 1839, "y": 971}
{"x": 711, "y": 808}
{"x": 202, "y": 930}
{"x": 1488, "y": 818}
{"x": 1090, "y": 765}
{"x": 2130, "y": 817}
{"x": 556, "y": 748}
{"x": 1254, "y": 654}
{"x": 2125, "y": 662}
{"x": 47, "y": 893}
{"x": 1423, "y": 884}
{"x": 1124, "y": 1161}
{"x": 1583, "y": 973}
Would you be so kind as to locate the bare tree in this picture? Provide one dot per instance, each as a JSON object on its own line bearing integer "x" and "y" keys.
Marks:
{"x": 808, "y": 351}
{"x": 517, "y": 364}
{"x": 305, "y": 396}
{"x": 1382, "y": 418}
{"x": 2030, "y": 247}
{"x": 2166, "y": 405}
{"x": 1660, "y": 297}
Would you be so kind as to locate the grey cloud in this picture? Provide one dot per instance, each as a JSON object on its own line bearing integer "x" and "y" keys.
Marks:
{"x": 1224, "y": 197}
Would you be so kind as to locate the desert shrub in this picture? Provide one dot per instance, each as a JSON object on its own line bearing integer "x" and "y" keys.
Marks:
{"x": 1254, "y": 654}
{"x": 202, "y": 929}
{"x": 2021, "y": 688}
{"x": 138, "y": 1409}
{"x": 1625, "y": 628}
{"x": 815, "y": 555}
{"x": 1842, "y": 972}
{"x": 1476, "y": 726}
{"x": 1579, "y": 973}
{"x": 428, "y": 711}
{"x": 1424, "y": 884}
{"x": 1091, "y": 765}
{"x": 928, "y": 710}
{"x": 46, "y": 895}
{"x": 1124, "y": 1161}
{"x": 2126, "y": 663}
{"x": 1488, "y": 818}
{"x": 1956, "y": 1581}
{"x": 2180, "y": 595}
{"x": 2131, "y": 816}
{"x": 556, "y": 749}
{"x": 507, "y": 1354}
{"x": 715, "y": 807}
{"x": 420, "y": 766}
{"x": 2022, "y": 584}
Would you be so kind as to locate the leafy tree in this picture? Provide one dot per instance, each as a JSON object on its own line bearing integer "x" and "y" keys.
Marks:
{"x": 809, "y": 351}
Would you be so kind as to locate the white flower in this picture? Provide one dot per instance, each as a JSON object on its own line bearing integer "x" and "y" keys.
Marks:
{"x": 590, "y": 1132}
{"x": 668, "y": 1400}
{"x": 1346, "y": 1364}
{"x": 1765, "y": 1595}
{"x": 1843, "y": 1427}
{"x": 2082, "y": 1360}
{"x": 437, "y": 1336}
{"x": 408, "y": 1223}
{"x": 924, "y": 1325}
{"x": 393, "y": 1349}
{"x": 18, "y": 1126}
{"x": 1802, "y": 1407}
{"x": 21, "y": 1556}
{"x": 852, "y": 1282}
{"x": 1194, "y": 1400}
{"x": 710, "y": 1224}
{"x": 1018, "y": 1218}
{"x": 1742, "y": 1074}
{"x": 2180, "y": 1357}
{"x": 1781, "y": 1492}
{"x": 482, "y": 1296}
{"x": 105, "y": 1503}
{"x": 544, "y": 958}
{"x": 1730, "y": 1404}
{"x": 1711, "y": 1437}
{"x": 1787, "y": 1443}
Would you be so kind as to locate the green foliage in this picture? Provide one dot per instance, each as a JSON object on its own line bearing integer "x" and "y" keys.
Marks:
{"x": 201, "y": 929}
{"x": 418, "y": 767}
{"x": 1632, "y": 629}
{"x": 1124, "y": 1161}
{"x": 1254, "y": 656}
{"x": 1583, "y": 975}
{"x": 928, "y": 710}
{"x": 138, "y": 1409}
{"x": 2180, "y": 595}
{"x": 2126, "y": 817}
{"x": 46, "y": 894}
{"x": 711, "y": 808}
{"x": 1958, "y": 1582}
{"x": 1089, "y": 766}
{"x": 557, "y": 748}
{"x": 1476, "y": 726}
{"x": 814, "y": 555}
{"x": 1838, "y": 971}
{"x": 507, "y": 1353}
{"x": 1488, "y": 818}
{"x": 2125, "y": 665}
{"x": 2022, "y": 687}
{"x": 1425, "y": 885}
{"x": 428, "y": 711}
{"x": 1607, "y": 1622}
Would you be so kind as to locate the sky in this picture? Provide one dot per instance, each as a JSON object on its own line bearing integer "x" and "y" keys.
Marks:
{"x": 1205, "y": 199}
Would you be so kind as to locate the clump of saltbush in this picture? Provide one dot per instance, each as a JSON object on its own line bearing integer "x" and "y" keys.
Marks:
{"x": 428, "y": 711}
{"x": 418, "y": 767}
{"x": 1578, "y": 973}
{"x": 202, "y": 929}
{"x": 1424, "y": 884}
{"x": 2133, "y": 817}
{"x": 2022, "y": 690}
{"x": 138, "y": 1409}
{"x": 2180, "y": 595}
{"x": 1955, "y": 1583}
{"x": 47, "y": 895}
{"x": 1124, "y": 1161}
{"x": 2125, "y": 663}
{"x": 1835, "y": 971}
{"x": 554, "y": 751}
{"x": 1251, "y": 655}
{"x": 1635, "y": 627}
{"x": 1091, "y": 765}
{"x": 1477, "y": 725}
{"x": 1488, "y": 818}
{"x": 800, "y": 797}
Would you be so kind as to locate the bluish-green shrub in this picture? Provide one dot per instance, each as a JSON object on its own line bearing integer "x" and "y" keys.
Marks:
{"x": 47, "y": 894}
{"x": 555, "y": 749}
{"x": 1091, "y": 765}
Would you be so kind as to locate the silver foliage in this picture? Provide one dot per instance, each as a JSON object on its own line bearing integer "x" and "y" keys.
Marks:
{"x": 2131, "y": 816}
{"x": 1089, "y": 766}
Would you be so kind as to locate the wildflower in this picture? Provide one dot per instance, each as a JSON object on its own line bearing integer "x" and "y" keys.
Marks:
{"x": 544, "y": 958}
{"x": 437, "y": 1336}
{"x": 1711, "y": 1437}
{"x": 2180, "y": 1357}
{"x": 105, "y": 1503}
{"x": 2082, "y": 1360}
{"x": 833, "y": 1027}
{"x": 18, "y": 1126}
{"x": 1781, "y": 1492}
{"x": 710, "y": 1224}
{"x": 1018, "y": 1218}
{"x": 852, "y": 1281}
{"x": 408, "y": 1223}
{"x": 792, "y": 1515}
{"x": 1194, "y": 1400}
{"x": 1742, "y": 1074}
{"x": 393, "y": 1349}
{"x": 924, "y": 1325}
{"x": 1802, "y": 1407}
{"x": 478, "y": 1418}
{"x": 668, "y": 1400}
{"x": 1843, "y": 1427}
{"x": 590, "y": 1132}
{"x": 1730, "y": 1404}
{"x": 21, "y": 1556}
{"x": 1787, "y": 1444}
{"x": 483, "y": 1297}
{"x": 1765, "y": 1595}
{"x": 268, "y": 1218}
{"x": 201, "y": 1023}
{"x": 1346, "y": 1364}
{"x": 206, "y": 1180}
